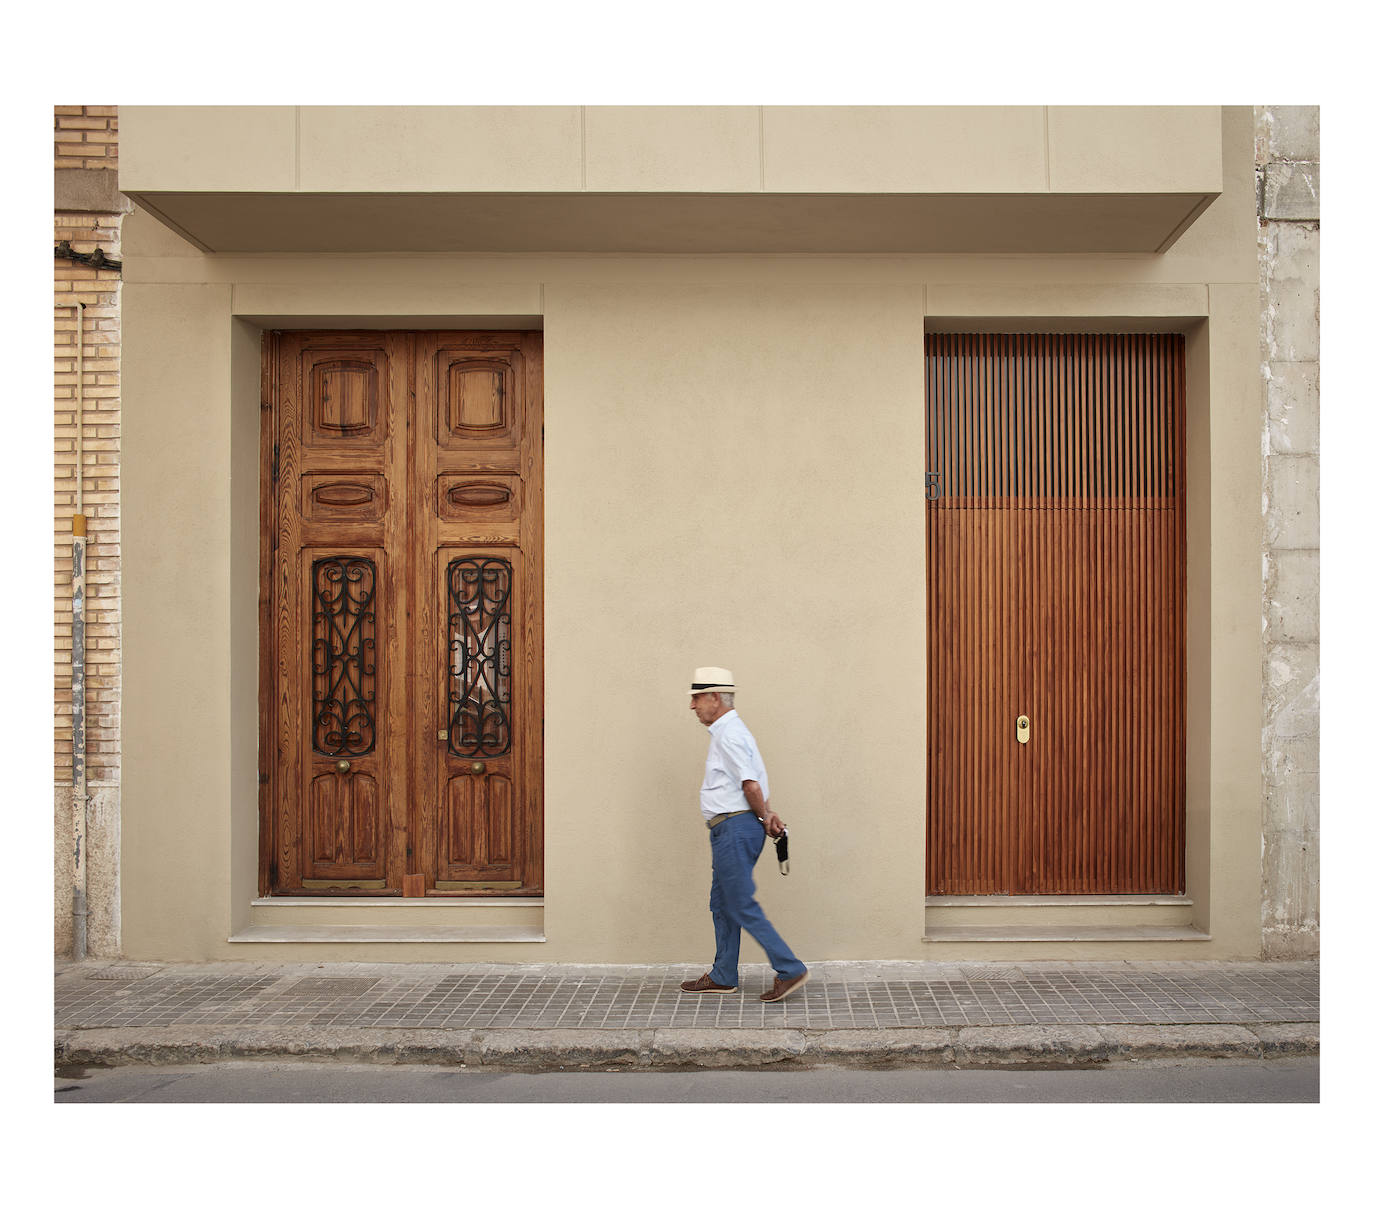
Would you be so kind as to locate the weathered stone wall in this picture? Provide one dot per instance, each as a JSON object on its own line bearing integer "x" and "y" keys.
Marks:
{"x": 1287, "y": 158}
{"x": 88, "y": 213}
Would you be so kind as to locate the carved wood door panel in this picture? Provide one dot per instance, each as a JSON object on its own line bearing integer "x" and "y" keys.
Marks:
{"x": 401, "y": 610}
{"x": 481, "y": 461}
{"x": 1056, "y": 556}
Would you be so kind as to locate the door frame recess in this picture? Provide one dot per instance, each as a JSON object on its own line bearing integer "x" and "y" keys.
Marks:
{"x": 266, "y": 334}
{"x": 1037, "y": 918}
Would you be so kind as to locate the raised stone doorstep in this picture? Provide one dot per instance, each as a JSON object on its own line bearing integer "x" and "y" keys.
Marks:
{"x": 1054, "y": 918}
{"x": 393, "y": 921}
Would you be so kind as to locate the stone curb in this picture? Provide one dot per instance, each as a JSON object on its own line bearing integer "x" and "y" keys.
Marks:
{"x": 1182, "y": 1040}
{"x": 1282, "y": 1040}
{"x": 1045, "y": 1046}
{"x": 883, "y": 1047}
{"x": 723, "y": 1048}
{"x": 1034, "y": 1044}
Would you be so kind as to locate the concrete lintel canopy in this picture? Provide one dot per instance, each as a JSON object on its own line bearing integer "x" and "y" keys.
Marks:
{"x": 1040, "y": 223}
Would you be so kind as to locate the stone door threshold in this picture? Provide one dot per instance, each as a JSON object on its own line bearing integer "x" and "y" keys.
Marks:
{"x": 291, "y": 902}
{"x": 1060, "y": 933}
{"x": 1058, "y": 900}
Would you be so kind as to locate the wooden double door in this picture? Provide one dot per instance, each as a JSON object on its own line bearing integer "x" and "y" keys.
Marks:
{"x": 1056, "y": 556}
{"x": 401, "y": 613}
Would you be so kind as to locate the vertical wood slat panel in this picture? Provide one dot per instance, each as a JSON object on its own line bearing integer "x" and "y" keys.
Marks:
{"x": 1055, "y": 558}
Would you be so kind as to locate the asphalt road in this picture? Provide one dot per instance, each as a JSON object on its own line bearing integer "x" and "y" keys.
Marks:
{"x": 1273, "y": 1081}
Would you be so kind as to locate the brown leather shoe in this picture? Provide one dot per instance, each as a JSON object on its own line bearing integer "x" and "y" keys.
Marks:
{"x": 783, "y": 987}
{"x": 704, "y": 986}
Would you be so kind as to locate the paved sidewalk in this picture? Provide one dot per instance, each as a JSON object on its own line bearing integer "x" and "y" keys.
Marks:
{"x": 871, "y": 1014}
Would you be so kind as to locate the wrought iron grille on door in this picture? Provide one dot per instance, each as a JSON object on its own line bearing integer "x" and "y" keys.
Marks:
{"x": 479, "y": 593}
{"x": 345, "y": 656}
{"x": 1056, "y": 596}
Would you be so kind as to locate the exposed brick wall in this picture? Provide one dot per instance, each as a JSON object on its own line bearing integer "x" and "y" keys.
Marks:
{"x": 98, "y": 289}
{"x": 85, "y": 139}
{"x": 86, "y": 136}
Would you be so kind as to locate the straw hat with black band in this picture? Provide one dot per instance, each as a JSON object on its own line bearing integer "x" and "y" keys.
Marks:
{"x": 712, "y": 680}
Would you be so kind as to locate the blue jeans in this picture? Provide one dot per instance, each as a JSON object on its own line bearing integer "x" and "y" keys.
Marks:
{"x": 735, "y": 847}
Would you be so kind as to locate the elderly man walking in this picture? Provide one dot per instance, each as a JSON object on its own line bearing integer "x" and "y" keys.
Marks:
{"x": 734, "y": 801}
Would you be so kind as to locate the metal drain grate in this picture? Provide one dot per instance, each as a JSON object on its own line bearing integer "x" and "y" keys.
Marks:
{"x": 993, "y": 974}
{"x": 122, "y": 973}
{"x": 929, "y": 971}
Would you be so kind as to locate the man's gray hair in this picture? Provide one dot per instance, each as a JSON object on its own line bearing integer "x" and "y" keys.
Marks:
{"x": 727, "y": 700}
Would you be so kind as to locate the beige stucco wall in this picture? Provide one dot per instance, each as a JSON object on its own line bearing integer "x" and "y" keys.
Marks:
{"x": 730, "y": 481}
{"x": 733, "y": 455}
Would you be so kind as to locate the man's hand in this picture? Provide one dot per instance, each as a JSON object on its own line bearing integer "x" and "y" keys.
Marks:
{"x": 753, "y": 794}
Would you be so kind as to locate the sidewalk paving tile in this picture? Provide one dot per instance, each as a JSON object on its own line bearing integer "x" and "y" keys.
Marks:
{"x": 840, "y": 995}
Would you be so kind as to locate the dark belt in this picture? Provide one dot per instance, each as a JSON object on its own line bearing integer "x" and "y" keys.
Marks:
{"x": 720, "y": 818}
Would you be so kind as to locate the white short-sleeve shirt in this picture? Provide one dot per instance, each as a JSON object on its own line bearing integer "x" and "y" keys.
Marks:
{"x": 731, "y": 759}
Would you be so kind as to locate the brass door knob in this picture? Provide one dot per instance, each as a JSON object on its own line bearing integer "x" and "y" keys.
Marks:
{"x": 479, "y": 768}
{"x": 343, "y": 765}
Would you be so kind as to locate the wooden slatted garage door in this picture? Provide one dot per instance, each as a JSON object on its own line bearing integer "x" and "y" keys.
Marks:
{"x": 1056, "y": 555}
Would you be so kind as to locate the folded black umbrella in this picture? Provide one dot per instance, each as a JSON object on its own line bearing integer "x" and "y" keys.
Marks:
{"x": 780, "y": 842}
